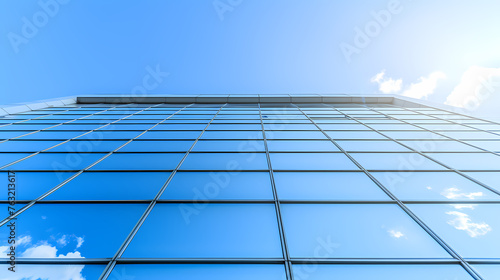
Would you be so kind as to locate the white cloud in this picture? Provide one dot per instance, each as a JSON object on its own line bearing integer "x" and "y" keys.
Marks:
{"x": 476, "y": 86}
{"x": 425, "y": 86}
{"x": 387, "y": 85}
{"x": 395, "y": 233}
{"x": 80, "y": 241}
{"x": 454, "y": 193}
{"x": 463, "y": 222}
{"x": 63, "y": 241}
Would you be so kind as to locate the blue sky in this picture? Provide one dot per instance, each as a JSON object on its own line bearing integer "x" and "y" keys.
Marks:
{"x": 424, "y": 49}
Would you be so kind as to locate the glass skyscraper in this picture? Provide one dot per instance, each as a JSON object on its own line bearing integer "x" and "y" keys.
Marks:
{"x": 248, "y": 187}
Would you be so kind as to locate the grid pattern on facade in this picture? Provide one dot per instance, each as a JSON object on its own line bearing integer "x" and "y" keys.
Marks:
{"x": 277, "y": 191}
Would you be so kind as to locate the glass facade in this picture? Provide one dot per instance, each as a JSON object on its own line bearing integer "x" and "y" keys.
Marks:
{"x": 249, "y": 191}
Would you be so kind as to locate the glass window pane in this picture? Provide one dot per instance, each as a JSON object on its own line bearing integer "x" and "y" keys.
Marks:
{"x": 338, "y": 135}
{"x": 487, "y": 271}
{"x": 31, "y": 185}
{"x": 184, "y": 126}
{"x": 219, "y": 185}
{"x": 327, "y": 186}
{"x": 468, "y": 161}
{"x": 437, "y": 186}
{"x": 112, "y": 186}
{"x": 301, "y": 146}
{"x": 138, "y": 161}
{"x": 200, "y": 271}
{"x": 311, "y": 161}
{"x": 225, "y": 161}
{"x": 395, "y": 161}
{"x": 382, "y": 272}
{"x": 188, "y": 135}
{"x": 355, "y": 231}
{"x": 470, "y": 229}
{"x": 440, "y": 146}
{"x": 26, "y": 146}
{"x": 73, "y": 230}
{"x": 276, "y": 134}
{"x": 57, "y": 161}
{"x": 488, "y": 178}
{"x": 6, "y": 158}
{"x": 490, "y": 145}
{"x": 110, "y": 135}
{"x": 224, "y": 135}
{"x": 238, "y": 126}
{"x": 229, "y": 146}
{"x": 369, "y": 146}
{"x": 52, "y": 272}
{"x": 157, "y": 146}
{"x": 412, "y": 135}
{"x": 53, "y": 135}
{"x": 87, "y": 146}
{"x": 208, "y": 231}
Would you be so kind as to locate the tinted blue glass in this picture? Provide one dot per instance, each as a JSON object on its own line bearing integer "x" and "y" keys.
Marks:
{"x": 327, "y": 186}
{"x": 112, "y": 186}
{"x": 355, "y": 231}
{"x": 412, "y": 135}
{"x": 338, "y": 126}
{"x": 25, "y": 127}
{"x": 488, "y": 178}
{"x": 111, "y": 135}
{"x": 169, "y": 126}
{"x": 372, "y": 146}
{"x": 170, "y": 135}
{"x": 470, "y": 229}
{"x": 225, "y": 161}
{"x": 235, "y": 127}
{"x": 444, "y": 146}
{"x": 493, "y": 146}
{"x": 290, "y": 126}
{"x": 52, "y": 272}
{"x": 219, "y": 185}
{"x": 232, "y": 135}
{"x": 138, "y": 161}
{"x": 229, "y": 146}
{"x": 471, "y": 135}
{"x": 276, "y": 134}
{"x": 75, "y": 126}
{"x": 304, "y": 145}
{"x": 487, "y": 271}
{"x": 119, "y": 127}
{"x": 311, "y": 161}
{"x": 208, "y": 231}
{"x": 73, "y": 230}
{"x": 157, "y": 146}
{"x": 86, "y": 146}
{"x": 56, "y": 162}
{"x": 433, "y": 186}
{"x": 468, "y": 161}
{"x": 199, "y": 271}
{"x": 31, "y": 185}
{"x": 53, "y": 135}
{"x": 395, "y": 161}
{"x": 11, "y": 134}
{"x": 381, "y": 272}
{"x": 26, "y": 146}
{"x": 354, "y": 135}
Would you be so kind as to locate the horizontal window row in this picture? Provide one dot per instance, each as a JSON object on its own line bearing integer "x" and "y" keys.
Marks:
{"x": 234, "y": 185}
{"x": 215, "y": 230}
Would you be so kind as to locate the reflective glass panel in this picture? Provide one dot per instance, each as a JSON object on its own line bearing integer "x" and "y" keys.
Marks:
{"x": 381, "y": 272}
{"x": 200, "y": 271}
{"x": 369, "y": 146}
{"x": 86, "y": 146}
{"x": 52, "y": 272}
{"x": 26, "y": 146}
{"x": 219, "y": 185}
{"x": 487, "y": 271}
{"x": 229, "y": 146}
{"x": 57, "y": 161}
{"x": 138, "y": 161}
{"x": 491, "y": 179}
{"x": 395, "y": 161}
{"x": 31, "y": 185}
{"x": 73, "y": 230}
{"x": 470, "y": 229}
{"x": 301, "y": 146}
{"x": 170, "y": 135}
{"x": 327, "y": 186}
{"x": 112, "y": 186}
{"x": 225, "y": 161}
{"x": 433, "y": 186}
{"x": 208, "y": 231}
{"x": 355, "y": 231}
{"x": 440, "y": 146}
{"x": 240, "y": 134}
{"x": 468, "y": 161}
{"x": 157, "y": 146}
{"x": 311, "y": 161}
